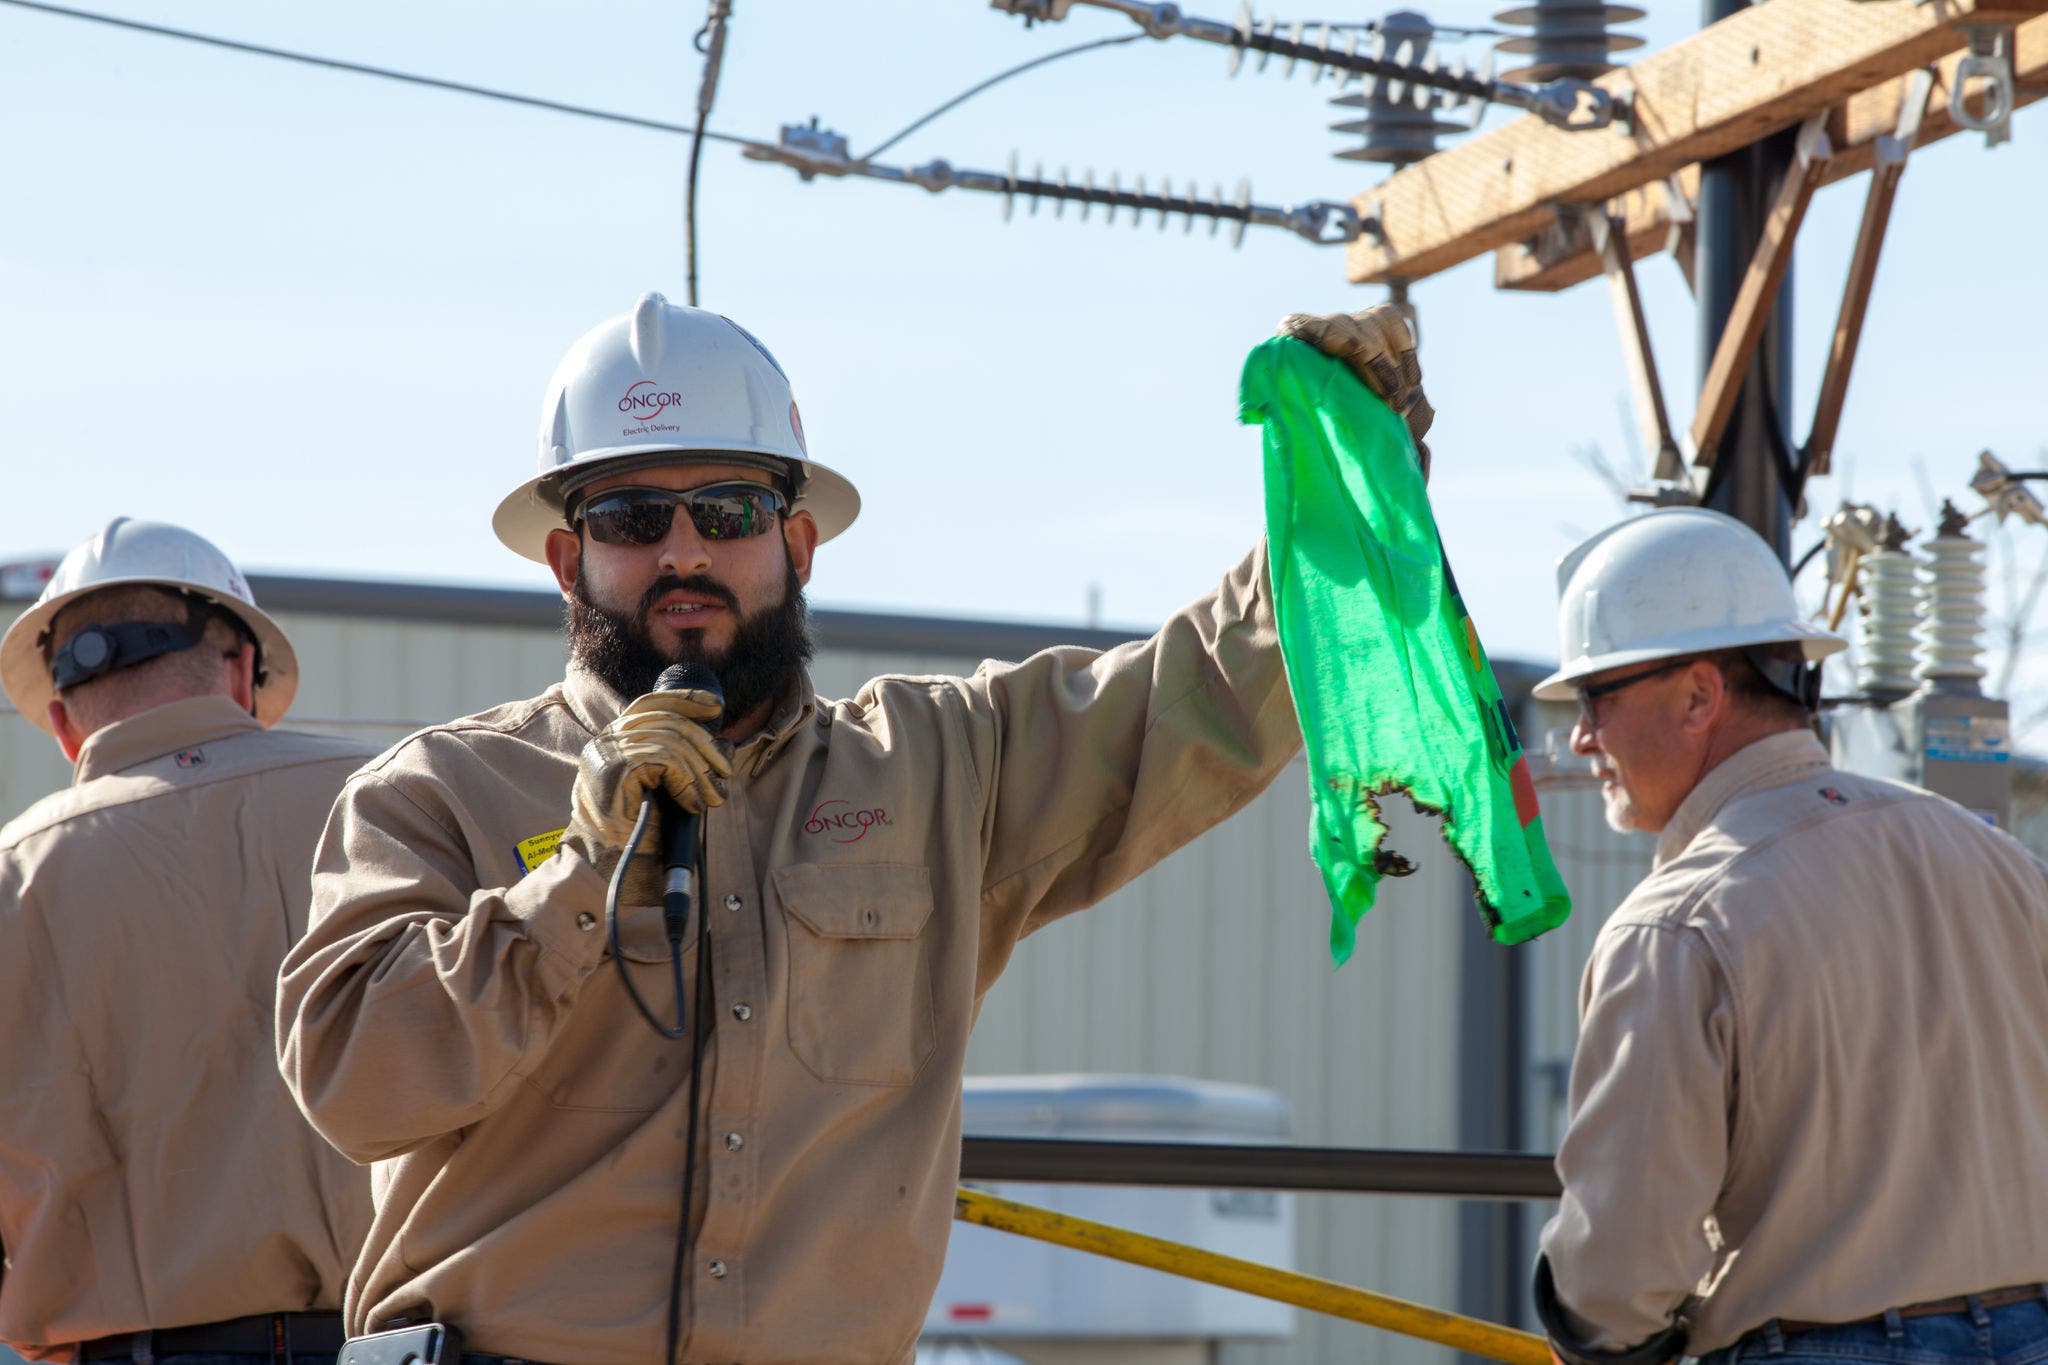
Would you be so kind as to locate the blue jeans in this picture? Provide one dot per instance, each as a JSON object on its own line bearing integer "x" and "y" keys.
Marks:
{"x": 2011, "y": 1334}
{"x": 233, "y": 1358}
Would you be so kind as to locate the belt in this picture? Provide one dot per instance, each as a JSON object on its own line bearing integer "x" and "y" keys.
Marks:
{"x": 1962, "y": 1303}
{"x": 260, "y": 1334}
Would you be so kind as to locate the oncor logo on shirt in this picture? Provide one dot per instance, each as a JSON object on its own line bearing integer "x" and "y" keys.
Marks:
{"x": 846, "y": 824}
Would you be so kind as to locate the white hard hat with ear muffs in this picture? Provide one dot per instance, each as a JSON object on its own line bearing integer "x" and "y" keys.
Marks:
{"x": 1679, "y": 581}
{"x": 142, "y": 554}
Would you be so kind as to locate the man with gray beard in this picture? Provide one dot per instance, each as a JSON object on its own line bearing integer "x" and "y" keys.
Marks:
{"x": 1809, "y": 1099}
{"x": 570, "y": 1170}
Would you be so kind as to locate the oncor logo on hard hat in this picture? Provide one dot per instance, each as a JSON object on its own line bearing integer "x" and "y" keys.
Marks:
{"x": 645, "y": 401}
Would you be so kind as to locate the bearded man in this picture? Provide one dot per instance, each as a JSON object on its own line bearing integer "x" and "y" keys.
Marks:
{"x": 772, "y": 1176}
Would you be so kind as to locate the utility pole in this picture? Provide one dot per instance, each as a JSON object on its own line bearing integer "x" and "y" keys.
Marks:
{"x": 1754, "y": 477}
{"x": 1730, "y": 133}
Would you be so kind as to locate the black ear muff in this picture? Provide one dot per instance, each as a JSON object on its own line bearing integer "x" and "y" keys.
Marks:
{"x": 1809, "y": 687}
{"x": 96, "y": 651}
{"x": 1795, "y": 678}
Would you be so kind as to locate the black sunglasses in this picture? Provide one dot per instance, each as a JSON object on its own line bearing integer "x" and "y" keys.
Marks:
{"x": 642, "y": 516}
{"x": 1589, "y": 695}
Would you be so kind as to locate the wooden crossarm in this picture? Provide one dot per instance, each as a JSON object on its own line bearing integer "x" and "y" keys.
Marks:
{"x": 1561, "y": 255}
{"x": 1743, "y": 78}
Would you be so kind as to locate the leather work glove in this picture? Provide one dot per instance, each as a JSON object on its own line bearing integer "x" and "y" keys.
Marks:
{"x": 1378, "y": 347}
{"x": 658, "y": 741}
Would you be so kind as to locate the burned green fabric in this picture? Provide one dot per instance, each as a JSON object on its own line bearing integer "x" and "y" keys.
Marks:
{"x": 1390, "y": 682}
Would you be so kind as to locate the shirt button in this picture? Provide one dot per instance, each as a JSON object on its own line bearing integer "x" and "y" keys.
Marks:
{"x": 743, "y": 1011}
{"x": 733, "y": 902}
{"x": 733, "y": 1142}
{"x": 586, "y": 921}
{"x": 717, "y": 1269}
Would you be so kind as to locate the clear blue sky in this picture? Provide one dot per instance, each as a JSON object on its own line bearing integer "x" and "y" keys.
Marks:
{"x": 310, "y": 314}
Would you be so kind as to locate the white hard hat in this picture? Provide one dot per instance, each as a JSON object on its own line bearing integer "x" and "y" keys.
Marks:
{"x": 141, "y": 552}
{"x": 1677, "y": 581}
{"x": 657, "y": 385}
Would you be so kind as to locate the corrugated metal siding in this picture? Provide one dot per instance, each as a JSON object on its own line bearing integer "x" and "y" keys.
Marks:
{"x": 30, "y": 765}
{"x": 1214, "y": 965}
{"x": 1211, "y": 965}
{"x": 1601, "y": 867}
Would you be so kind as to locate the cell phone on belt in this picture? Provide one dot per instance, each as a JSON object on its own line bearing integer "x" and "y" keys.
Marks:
{"x": 430, "y": 1343}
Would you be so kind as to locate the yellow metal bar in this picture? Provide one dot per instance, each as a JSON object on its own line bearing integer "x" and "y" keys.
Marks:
{"x": 1303, "y": 1291}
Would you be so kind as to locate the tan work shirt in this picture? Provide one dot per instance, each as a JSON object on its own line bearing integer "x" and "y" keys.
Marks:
{"x": 1812, "y": 1072}
{"x": 154, "y": 1170}
{"x": 452, "y": 1014}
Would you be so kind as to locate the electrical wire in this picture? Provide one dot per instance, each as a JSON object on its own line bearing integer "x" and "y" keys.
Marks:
{"x": 710, "y": 41}
{"x": 998, "y": 79}
{"x": 381, "y": 72}
{"x": 681, "y": 1027}
{"x": 690, "y": 1015}
{"x": 703, "y": 1002}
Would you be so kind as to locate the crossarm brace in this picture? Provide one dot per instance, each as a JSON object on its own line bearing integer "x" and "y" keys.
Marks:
{"x": 1892, "y": 148}
{"x": 1611, "y": 241}
{"x": 1759, "y": 290}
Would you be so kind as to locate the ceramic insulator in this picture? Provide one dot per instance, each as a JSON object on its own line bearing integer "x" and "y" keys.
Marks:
{"x": 1891, "y": 612}
{"x": 1953, "y": 581}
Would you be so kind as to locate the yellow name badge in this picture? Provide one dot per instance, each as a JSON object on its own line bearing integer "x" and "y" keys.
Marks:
{"x": 538, "y": 849}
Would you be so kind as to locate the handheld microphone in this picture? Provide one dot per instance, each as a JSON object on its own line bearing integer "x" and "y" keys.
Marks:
{"x": 679, "y": 858}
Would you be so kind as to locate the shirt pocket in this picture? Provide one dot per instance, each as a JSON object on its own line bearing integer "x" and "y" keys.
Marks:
{"x": 860, "y": 991}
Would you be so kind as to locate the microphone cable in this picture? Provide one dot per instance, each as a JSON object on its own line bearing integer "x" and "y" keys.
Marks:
{"x": 681, "y": 1028}
{"x": 674, "y": 930}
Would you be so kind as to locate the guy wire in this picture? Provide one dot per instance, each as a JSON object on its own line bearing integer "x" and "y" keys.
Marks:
{"x": 996, "y": 79}
{"x": 710, "y": 41}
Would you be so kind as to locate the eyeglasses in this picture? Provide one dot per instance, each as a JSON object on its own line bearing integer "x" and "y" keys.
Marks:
{"x": 642, "y": 516}
{"x": 1590, "y": 695}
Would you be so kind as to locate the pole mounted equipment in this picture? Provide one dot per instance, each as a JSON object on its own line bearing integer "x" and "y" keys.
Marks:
{"x": 812, "y": 151}
{"x": 1952, "y": 588}
{"x": 1401, "y": 120}
{"x": 1990, "y": 59}
{"x": 2005, "y": 490}
{"x": 1567, "y": 38}
{"x": 1568, "y": 103}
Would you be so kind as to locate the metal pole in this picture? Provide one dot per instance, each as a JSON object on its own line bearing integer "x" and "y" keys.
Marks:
{"x": 1244, "y": 1166}
{"x": 1753, "y": 479}
{"x": 1455, "y": 1330}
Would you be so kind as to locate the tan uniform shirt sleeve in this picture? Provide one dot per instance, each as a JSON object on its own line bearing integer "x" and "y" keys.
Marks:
{"x": 39, "y": 1068}
{"x": 413, "y": 1003}
{"x": 1097, "y": 766}
{"x": 1647, "y": 1148}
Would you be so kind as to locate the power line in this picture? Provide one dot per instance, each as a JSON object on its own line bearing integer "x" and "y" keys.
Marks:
{"x": 997, "y": 79}
{"x": 383, "y": 73}
{"x": 710, "y": 41}
{"x": 1307, "y": 220}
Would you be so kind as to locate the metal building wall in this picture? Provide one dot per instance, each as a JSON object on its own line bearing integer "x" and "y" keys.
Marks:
{"x": 1212, "y": 965}
{"x": 1601, "y": 867}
